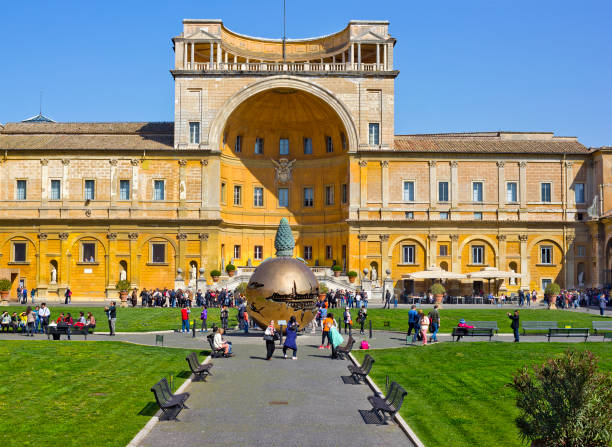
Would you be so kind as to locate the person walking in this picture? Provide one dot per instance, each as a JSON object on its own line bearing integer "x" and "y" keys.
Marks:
{"x": 412, "y": 319}
{"x": 434, "y": 320}
{"x": 224, "y": 317}
{"x": 30, "y": 319}
{"x": 67, "y": 296}
{"x": 515, "y": 324}
{"x": 424, "y": 327}
{"x": 111, "y": 313}
{"x": 417, "y": 326}
{"x": 387, "y": 300}
{"x": 204, "y": 317}
{"x": 291, "y": 339}
{"x": 185, "y": 318}
{"x": 347, "y": 321}
{"x": 269, "y": 337}
{"x": 328, "y": 323}
{"x": 362, "y": 316}
{"x": 246, "y": 322}
{"x": 44, "y": 313}
{"x": 602, "y": 304}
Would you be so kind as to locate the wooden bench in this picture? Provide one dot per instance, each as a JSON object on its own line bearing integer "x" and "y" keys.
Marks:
{"x": 568, "y": 332}
{"x": 200, "y": 371}
{"x": 57, "y": 331}
{"x": 484, "y": 325}
{"x": 538, "y": 325}
{"x": 170, "y": 404}
{"x": 389, "y": 404}
{"x": 473, "y": 332}
{"x": 360, "y": 372}
{"x": 215, "y": 353}
{"x": 602, "y": 326}
{"x": 343, "y": 351}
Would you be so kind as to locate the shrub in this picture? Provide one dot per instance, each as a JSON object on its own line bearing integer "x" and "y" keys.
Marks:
{"x": 241, "y": 288}
{"x": 553, "y": 289}
{"x": 5, "y": 284}
{"x": 337, "y": 268}
{"x": 323, "y": 288}
{"x": 214, "y": 273}
{"x": 352, "y": 274}
{"x": 230, "y": 268}
{"x": 437, "y": 289}
{"x": 567, "y": 402}
{"x": 123, "y": 285}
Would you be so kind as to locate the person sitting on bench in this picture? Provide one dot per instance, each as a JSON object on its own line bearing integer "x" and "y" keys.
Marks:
{"x": 220, "y": 343}
{"x": 462, "y": 324}
{"x": 90, "y": 322}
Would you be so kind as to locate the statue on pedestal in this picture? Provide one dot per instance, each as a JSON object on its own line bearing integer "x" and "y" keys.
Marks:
{"x": 122, "y": 275}
{"x": 53, "y": 274}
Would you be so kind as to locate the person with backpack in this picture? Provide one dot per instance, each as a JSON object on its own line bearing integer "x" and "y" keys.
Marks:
{"x": 270, "y": 335}
{"x": 347, "y": 321}
{"x": 185, "y": 318}
{"x": 203, "y": 317}
{"x": 291, "y": 339}
{"x": 434, "y": 320}
{"x": 515, "y": 324}
{"x": 362, "y": 316}
{"x": 417, "y": 326}
{"x": 224, "y": 317}
{"x": 67, "y": 296}
{"x": 424, "y": 327}
{"x": 412, "y": 319}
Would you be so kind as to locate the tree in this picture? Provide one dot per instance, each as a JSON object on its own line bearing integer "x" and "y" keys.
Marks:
{"x": 566, "y": 402}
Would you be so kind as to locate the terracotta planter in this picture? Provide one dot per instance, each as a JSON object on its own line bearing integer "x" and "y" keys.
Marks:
{"x": 438, "y": 298}
{"x": 4, "y": 297}
{"x": 336, "y": 274}
{"x": 321, "y": 296}
{"x": 231, "y": 273}
{"x": 123, "y": 295}
{"x": 215, "y": 278}
{"x": 352, "y": 279}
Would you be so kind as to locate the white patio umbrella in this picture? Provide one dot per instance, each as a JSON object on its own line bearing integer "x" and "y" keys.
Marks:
{"x": 434, "y": 273}
{"x": 490, "y": 273}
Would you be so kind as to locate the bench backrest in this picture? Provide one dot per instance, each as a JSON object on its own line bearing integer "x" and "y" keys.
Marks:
{"x": 165, "y": 388}
{"x": 481, "y": 330}
{"x": 159, "y": 394}
{"x": 568, "y": 330}
{"x": 350, "y": 343}
{"x": 398, "y": 396}
{"x": 368, "y": 361}
{"x": 540, "y": 324}
{"x": 483, "y": 324}
{"x": 192, "y": 360}
{"x": 602, "y": 325}
{"x": 210, "y": 340}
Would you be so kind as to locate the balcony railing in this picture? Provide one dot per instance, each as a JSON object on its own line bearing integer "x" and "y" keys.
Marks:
{"x": 285, "y": 67}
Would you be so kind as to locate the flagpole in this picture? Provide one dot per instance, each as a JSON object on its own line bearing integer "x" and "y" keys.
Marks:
{"x": 284, "y": 30}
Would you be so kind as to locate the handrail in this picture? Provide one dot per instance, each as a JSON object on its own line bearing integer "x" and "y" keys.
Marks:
{"x": 280, "y": 66}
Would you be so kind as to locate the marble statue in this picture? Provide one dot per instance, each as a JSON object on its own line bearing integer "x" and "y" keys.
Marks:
{"x": 123, "y": 275}
{"x": 53, "y": 274}
{"x": 513, "y": 279}
{"x": 194, "y": 272}
{"x": 374, "y": 274}
{"x": 581, "y": 279}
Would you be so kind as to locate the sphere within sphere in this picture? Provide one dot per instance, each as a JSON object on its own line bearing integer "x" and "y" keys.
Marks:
{"x": 280, "y": 288}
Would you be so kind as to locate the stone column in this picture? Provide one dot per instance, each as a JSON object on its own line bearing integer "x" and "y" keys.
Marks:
{"x": 218, "y": 54}
{"x": 377, "y": 56}
{"x": 526, "y": 277}
{"x": 432, "y": 184}
{"x": 385, "y": 183}
{"x": 455, "y": 255}
{"x": 363, "y": 173}
{"x": 135, "y": 187}
{"x": 359, "y": 55}
{"x": 596, "y": 280}
{"x": 65, "y": 180}
{"x": 384, "y": 258}
{"x": 42, "y": 271}
{"x": 63, "y": 275}
{"x": 203, "y": 184}
{"x": 134, "y": 260}
{"x": 569, "y": 197}
{"x": 363, "y": 250}
{"x": 113, "y": 268}
{"x": 454, "y": 186}
{"x": 113, "y": 181}
{"x": 44, "y": 182}
{"x": 385, "y": 67}
{"x": 182, "y": 184}
{"x": 432, "y": 252}
{"x": 523, "y": 184}
{"x": 501, "y": 181}
{"x": 214, "y": 183}
{"x": 180, "y": 256}
{"x": 501, "y": 257}
{"x": 569, "y": 261}
{"x": 212, "y": 51}
{"x": 203, "y": 248}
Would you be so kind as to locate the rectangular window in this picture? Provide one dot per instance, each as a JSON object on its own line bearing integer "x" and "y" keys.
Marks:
{"x": 258, "y": 196}
{"x": 344, "y": 189}
{"x": 374, "y": 134}
{"x": 477, "y": 254}
{"x": 477, "y": 215}
{"x": 579, "y": 192}
{"x": 89, "y": 251}
{"x": 443, "y": 250}
{"x": 159, "y": 189}
{"x": 308, "y": 197}
{"x": 308, "y": 145}
{"x": 443, "y": 215}
{"x": 194, "y": 133}
{"x": 237, "y": 251}
{"x": 124, "y": 190}
{"x": 442, "y": 191}
{"x": 223, "y": 192}
{"x": 511, "y": 192}
{"x": 283, "y": 197}
{"x": 237, "y": 195}
{"x": 328, "y": 252}
{"x": 308, "y": 252}
{"x": 56, "y": 190}
{"x": 19, "y": 251}
{"x": 546, "y": 254}
{"x": 329, "y": 195}
{"x": 343, "y": 141}
{"x": 21, "y": 193}
{"x": 408, "y": 254}
{"x": 329, "y": 144}
{"x": 545, "y": 192}
{"x": 409, "y": 215}
{"x": 545, "y": 283}
{"x": 238, "y": 144}
{"x": 408, "y": 191}
{"x": 477, "y": 191}
{"x": 259, "y": 145}
{"x": 90, "y": 189}
{"x": 258, "y": 250}
{"x": 158, "y": 253}
{"x": 581, "y": 250}
{"x": 283, "y": 146}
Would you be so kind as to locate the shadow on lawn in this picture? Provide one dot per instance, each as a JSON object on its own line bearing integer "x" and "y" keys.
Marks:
{"x": 149, "y": 409}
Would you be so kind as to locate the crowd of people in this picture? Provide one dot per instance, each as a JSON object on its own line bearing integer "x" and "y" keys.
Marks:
{"x": 180, "y": 298}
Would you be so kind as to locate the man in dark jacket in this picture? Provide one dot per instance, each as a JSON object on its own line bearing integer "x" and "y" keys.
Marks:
{"x": 515, "y": 324}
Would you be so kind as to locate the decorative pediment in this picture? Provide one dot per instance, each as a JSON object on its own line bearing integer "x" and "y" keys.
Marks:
{"x": 369, "y": 36}
{"x": 202, "y": 34}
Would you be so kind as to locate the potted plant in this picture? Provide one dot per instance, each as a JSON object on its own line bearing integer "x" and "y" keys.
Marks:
{"x": 123, "y": 286}
{"x": 352, "y": 276}
{"x": 438, "y": 291}
{"x": 5, "y": 287}
{"x": 337, "y": 269}
{"x": 323, "y": 289}
{"x": 230, "y": 269}
{"x": 215, "y": 274}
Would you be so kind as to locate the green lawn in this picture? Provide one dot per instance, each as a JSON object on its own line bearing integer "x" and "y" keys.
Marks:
{"x": 81, "y": 393}
{"x": 457, "y": 393}
{"x": 138, "y": 319}
{"x": 398, "y": 318}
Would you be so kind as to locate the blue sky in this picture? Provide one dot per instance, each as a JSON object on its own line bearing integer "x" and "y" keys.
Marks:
{"x": 464, "y": 65}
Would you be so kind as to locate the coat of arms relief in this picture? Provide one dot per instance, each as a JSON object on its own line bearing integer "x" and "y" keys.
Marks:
{"x": 283, "y": 169}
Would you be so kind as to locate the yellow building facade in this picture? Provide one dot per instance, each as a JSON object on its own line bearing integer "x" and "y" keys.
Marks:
{"x": 304, "y": 130}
